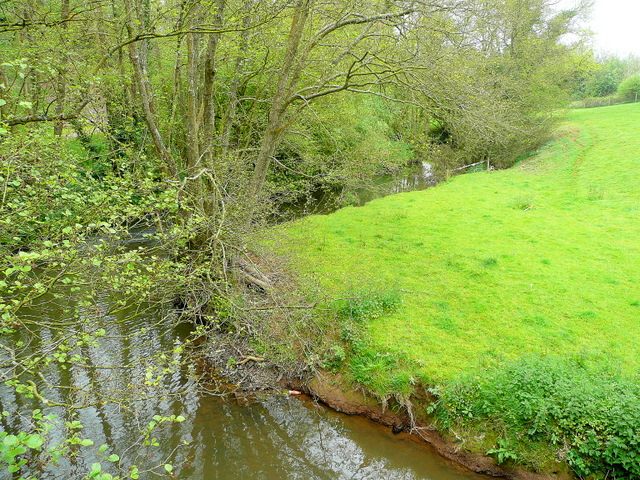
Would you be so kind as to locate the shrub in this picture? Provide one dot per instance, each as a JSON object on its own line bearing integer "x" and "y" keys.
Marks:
{"x": 593, "y": 414}
{"x": 630, "y": 89}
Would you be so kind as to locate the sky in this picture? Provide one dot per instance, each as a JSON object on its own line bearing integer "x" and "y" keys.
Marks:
{"x": 616, "y": 24}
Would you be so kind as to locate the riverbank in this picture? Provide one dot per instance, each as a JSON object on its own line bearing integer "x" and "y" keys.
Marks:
{"x": 509, "y": 293}
{"x": 335, "y": 392}
{"x": 256, "y": 377}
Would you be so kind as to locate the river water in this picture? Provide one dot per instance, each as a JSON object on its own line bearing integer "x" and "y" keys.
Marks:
{"x": 418, "y": 176}
{"x": 142, "y": 364}
{"x": 221, "y": 437}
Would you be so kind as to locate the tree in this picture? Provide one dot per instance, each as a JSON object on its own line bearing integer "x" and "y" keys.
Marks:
{"x": 630, "y": 88}
{"x": 494, "y": 79}
{"x": 605, "y": 80}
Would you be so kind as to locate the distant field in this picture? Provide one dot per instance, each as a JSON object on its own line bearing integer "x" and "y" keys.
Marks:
{"x": 541, "y": 258}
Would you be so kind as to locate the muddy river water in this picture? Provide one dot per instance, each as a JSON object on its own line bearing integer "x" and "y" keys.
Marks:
{"x": 276, "y": 437}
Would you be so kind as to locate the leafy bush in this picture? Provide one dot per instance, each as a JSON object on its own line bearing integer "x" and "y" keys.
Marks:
{"x": 630, "y": 89}
{"x": 334, "y": 358}
{"x": 593, "y": 415}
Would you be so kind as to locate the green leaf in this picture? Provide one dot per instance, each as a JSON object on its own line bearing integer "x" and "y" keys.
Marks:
{"x": 96, "y": 468}
{"x": 168, "y": 467}
{"x": 28, "y": 255}
{"x": 102, "y": 448}
{"x": 34, "y": 441}
{"x": 113, "y": 457}
{"x": 2, "y": 102}
{"x": 19, "y": 450}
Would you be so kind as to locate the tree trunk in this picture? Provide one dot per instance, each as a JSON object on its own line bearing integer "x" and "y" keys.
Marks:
{"x": 138, "y": 60}
{"x": 273, "y": 131}
{"x": 192, "y": 124}
{"x": 229, "y": 118}
{"x": 208, "y": 104}
{"x": 61, "y": 84}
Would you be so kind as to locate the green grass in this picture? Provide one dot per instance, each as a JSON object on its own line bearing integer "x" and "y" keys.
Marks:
{"x": 539, "y": 259}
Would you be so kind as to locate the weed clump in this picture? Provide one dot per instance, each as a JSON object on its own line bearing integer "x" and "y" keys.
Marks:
{"x": 368, "y": 304}
{"x": 380, "y": 372}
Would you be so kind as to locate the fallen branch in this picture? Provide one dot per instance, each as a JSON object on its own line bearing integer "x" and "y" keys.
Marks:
{"x": 470, "y": 165}
{"x": 251, "y": 279}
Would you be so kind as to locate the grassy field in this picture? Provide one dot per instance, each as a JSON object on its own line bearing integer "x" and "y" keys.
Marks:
{"x": 543, "y": 258}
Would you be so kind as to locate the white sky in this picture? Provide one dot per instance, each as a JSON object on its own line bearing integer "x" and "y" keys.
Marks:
{"x": 616, "y": 24}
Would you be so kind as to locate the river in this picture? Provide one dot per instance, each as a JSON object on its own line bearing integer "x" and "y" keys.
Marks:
{"x": 221, "y": 436}
{"x": 417, "y": 176}
{"x": 276, "y": 437}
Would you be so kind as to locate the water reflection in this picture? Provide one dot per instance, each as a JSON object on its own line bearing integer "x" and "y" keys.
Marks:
{"x": 284, "y": 438}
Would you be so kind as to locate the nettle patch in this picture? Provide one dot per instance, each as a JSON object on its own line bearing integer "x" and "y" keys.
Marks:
{"x": 590, "y": 416}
